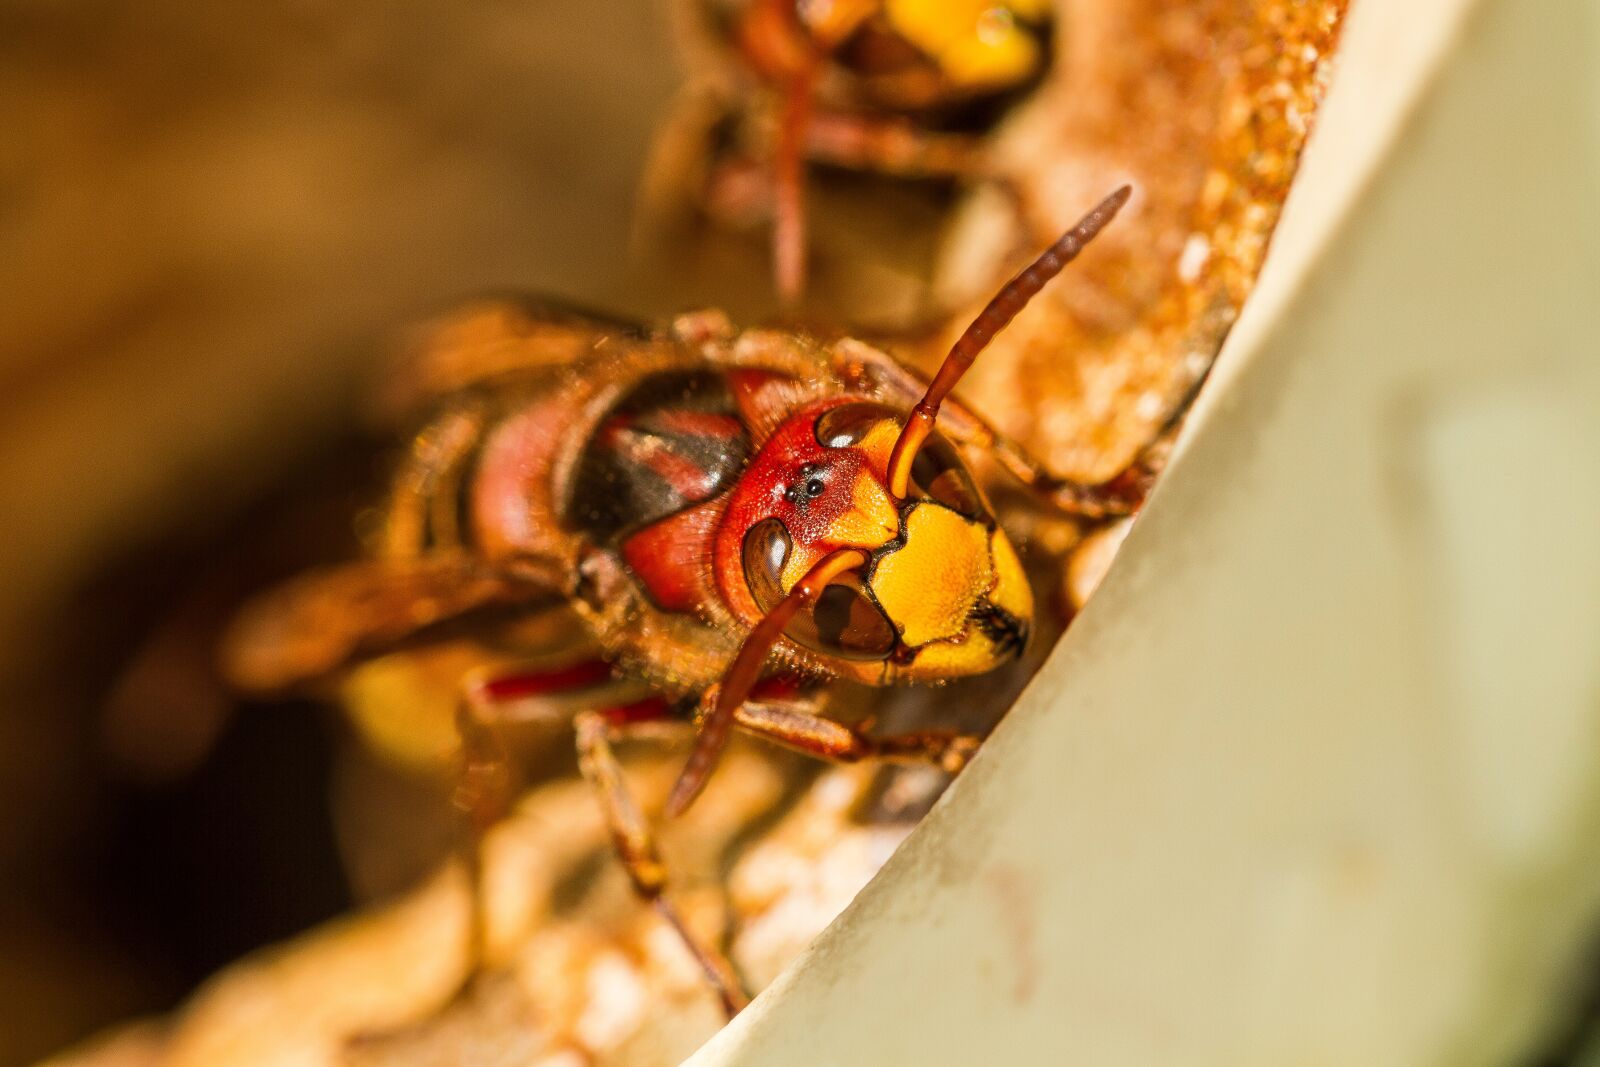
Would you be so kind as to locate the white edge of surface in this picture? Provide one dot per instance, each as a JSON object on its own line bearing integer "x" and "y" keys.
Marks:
{"x": 1265, "y": 800}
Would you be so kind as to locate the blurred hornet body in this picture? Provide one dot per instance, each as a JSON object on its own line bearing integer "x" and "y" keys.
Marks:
{"x": 906, "y": 88}
{"x": 737, "y": 518}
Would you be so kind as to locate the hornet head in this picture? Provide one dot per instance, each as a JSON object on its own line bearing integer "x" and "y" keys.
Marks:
{"x": 941, "y": 593}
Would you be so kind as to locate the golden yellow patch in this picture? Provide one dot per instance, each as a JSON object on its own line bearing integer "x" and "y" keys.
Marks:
{"x": 404, "y": 704}
{"x": 878, "y": 444}
{"x": 975, "y": 42}
{"x": 872, "y": 521}
{"x": 975, "y": 654}
{"x": 929, "y": 587}
{"x": 1037, "y": 10}
{"x": 1011, "y": 590}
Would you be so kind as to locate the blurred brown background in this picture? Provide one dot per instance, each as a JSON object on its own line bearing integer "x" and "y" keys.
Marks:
{"x": 210, "y": 216}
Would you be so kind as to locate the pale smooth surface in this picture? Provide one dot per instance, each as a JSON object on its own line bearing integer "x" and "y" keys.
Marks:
{"x": 1316, "y": 778}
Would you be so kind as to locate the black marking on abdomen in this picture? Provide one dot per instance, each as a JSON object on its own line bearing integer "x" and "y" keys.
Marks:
{"x": 673, "y": 441}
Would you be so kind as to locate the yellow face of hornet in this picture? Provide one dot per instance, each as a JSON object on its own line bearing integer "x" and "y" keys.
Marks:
{"x": 942, "y": 594}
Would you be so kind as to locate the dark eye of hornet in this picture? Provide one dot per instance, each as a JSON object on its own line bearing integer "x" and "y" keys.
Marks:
{"x": 658, "y": 472}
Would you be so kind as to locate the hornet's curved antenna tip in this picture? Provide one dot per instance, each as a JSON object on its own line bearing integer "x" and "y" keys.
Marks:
{"x": 999, "y": 312}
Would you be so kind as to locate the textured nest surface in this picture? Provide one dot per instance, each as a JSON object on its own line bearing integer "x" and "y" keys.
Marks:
{"x": 580, "y": 973}
{"x": 1204, "y": 107}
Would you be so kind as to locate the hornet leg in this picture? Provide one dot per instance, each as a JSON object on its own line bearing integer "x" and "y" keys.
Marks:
{"x": 635, "y": 843}
{"x": 815, "y": 735}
